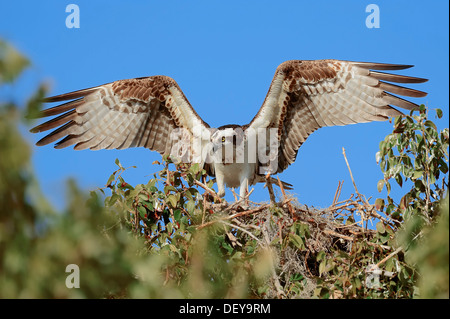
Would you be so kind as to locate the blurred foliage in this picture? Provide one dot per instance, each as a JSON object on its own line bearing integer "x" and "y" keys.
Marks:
{"x": 12, "y": 63}
{"x": 36, "y": 243}
{"x": 174, "y": 238}
{"x": 431, "y": 255}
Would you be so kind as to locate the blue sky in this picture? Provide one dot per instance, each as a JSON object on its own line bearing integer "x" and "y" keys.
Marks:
{"x": 224, "y": 55}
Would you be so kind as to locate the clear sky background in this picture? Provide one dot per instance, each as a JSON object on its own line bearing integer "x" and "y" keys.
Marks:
{"x": 223, "y": 54}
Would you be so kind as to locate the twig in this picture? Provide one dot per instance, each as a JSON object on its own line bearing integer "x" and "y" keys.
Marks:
{"x": 247, "y": 212}
{"x": 234, "y": 195}
{"x": 270, "y": 189}
{"x": 333, "y": 233}
{"x": 351, "y": 175}
{"x": 389, "y": 256}
{"x": 363, "y": 217}
{"x": 209, "y": 190}
{"x": 345, "y": 201}
{"x": 245, "y": 225}
{"x": 291, "y": 210}
{"x": 338, "y": 193}
{"x": 389, "y": 222}
{"x": 252, "y": 211}
{"x": 246, "y": 199}
{"x": 240, "y": 228}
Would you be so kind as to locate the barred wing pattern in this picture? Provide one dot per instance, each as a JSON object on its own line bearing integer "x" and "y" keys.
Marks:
{"x": 121, "y": 114}
{"x": 306, "y": 95}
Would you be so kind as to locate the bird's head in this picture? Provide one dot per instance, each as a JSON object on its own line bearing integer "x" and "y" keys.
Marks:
{"x": 227, "y": 135}
{"x": 226, "y": 140}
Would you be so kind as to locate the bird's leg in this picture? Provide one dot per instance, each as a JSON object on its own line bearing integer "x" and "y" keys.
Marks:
{"x": 270, "y": 188}
{"x": 243, "y": 193}
{"x": 220, "y": 185}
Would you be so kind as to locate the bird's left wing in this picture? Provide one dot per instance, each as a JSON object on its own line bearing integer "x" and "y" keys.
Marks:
{"x": 306, "y": 95}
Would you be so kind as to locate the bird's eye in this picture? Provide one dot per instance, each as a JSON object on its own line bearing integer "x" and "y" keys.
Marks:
{"x": 223, "y": 139}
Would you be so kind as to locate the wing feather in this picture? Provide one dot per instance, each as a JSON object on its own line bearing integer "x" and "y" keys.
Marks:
{"x": 327, "y": 93}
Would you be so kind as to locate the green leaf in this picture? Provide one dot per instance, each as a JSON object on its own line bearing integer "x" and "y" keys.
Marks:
{"x": 382, "y": 148}
{"x": 378, "y": 157}
{"x": 148, "y": 205}
{"x": 320, "y": 255}
{"x": 194, "y": 169}
{"x": 404, "y": 202}
{"x": 417, "y": 174}
{"x": 169, "y": 188}
{"x": 153, "y": 189}
{"x": 357, "y": 283}
{"x": 113, "y": 199}
{"x": 399, "y": 179}
{"x": 297, "y": 241}
{"x": 443, "y": 166}
{"x": 380, "y": 185}
{"x": 184, "y": 220}
{"x": 177, "y": 214}
{"x": 388, "y": 187}
{"x": 439, "y": 113}
{"x": 190, "y": 206}
{"x": 432, "y": 179}
{"x": 110, "y": 179}
{"x": 380, "y": 228}
{"x": 172, "y": 199}
{"x": 398, "y": 120}
{"x": 429, "y": 123}
{"x": 169, "y": 228}
{"x": 379, "y": 204}
{"x": 142, "y": 211}
{"x": 322, "y": 266}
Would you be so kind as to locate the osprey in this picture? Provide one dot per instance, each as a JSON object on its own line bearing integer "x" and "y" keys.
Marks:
{"x": 304, "y": 95}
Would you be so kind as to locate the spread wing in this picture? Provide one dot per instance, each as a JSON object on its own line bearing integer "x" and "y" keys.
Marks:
{"x": 121, "y": 114}
{"x": 307, "y": 95}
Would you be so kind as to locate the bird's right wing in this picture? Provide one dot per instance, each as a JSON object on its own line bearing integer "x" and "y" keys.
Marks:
{"x": 122, "y": 114}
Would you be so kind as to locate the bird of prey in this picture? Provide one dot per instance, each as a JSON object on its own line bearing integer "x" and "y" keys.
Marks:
{"x": 304, "y": 95}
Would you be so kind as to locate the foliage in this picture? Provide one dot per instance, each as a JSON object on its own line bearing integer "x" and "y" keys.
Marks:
{"x": 12, "y": 63}
{"x": 170, "y": 214}
{"x": 413, "y": 235}
{"x": 415, "y": 151}
{"x": 430, "y": 256}
{"x": 174, "y": 238}
{"x": 37, "y": 243}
